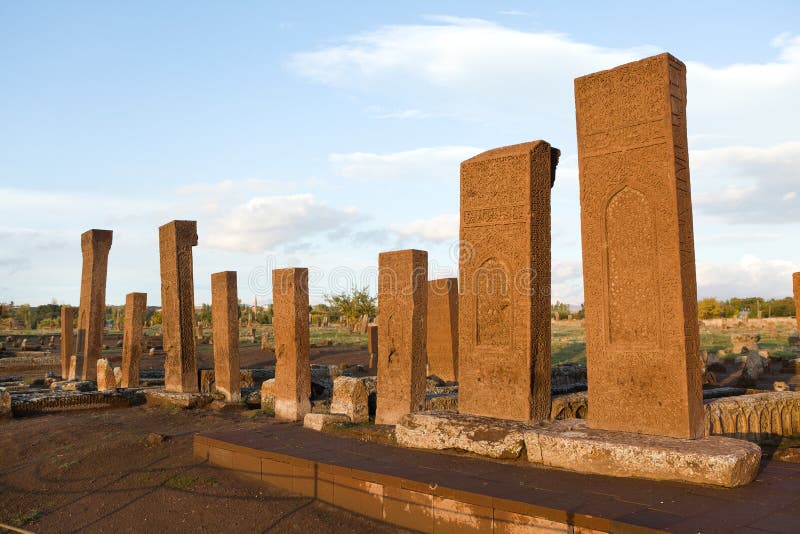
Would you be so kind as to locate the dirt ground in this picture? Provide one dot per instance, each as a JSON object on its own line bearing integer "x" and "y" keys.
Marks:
{"x": 94, "y": 471}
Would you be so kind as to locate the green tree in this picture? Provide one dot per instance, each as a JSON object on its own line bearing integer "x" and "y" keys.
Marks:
{"x": 352, "y": 305}
{"x": 709, "y": 308}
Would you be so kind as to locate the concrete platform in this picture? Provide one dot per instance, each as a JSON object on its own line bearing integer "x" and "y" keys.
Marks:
{"x": 429, "y": 491}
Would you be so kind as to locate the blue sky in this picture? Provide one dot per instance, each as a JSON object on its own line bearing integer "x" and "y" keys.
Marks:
{"x": 319, "y": 134}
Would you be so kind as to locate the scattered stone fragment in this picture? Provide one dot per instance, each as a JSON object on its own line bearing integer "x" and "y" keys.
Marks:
{"x": 268, "y": 395}
{"x": 780, "y": 386}
{"x": 350, "y": 398}
{"x": 321, "y": 421}
{"x": 5, "y": 404}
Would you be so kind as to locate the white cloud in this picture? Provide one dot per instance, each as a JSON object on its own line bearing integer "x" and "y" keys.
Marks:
{"x": 750, "y": 276}
{"x": 266, "y": 221}
{"x": 231, "y": 186}
{"x": 438, "y": 229}
{"x": 438, "y": 163}
{"x": 746, "y": 184}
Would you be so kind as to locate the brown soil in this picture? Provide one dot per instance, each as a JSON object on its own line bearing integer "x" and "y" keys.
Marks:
{"x": 96, "y": 472}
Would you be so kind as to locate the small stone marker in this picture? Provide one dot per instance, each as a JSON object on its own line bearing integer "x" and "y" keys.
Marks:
{"x": 443, "y": 328}
{"x": 796, "y": 293}
{"x": 350, "y": 398}
{"x": 95, "y": 245}
{"x": 402, "y": 310}
{"x": 67, "y": 338}
{"x": 72, "y": 374}
{"x": 225, "y": 323}
{"x": 176, "y": 240}
{"x": 504, "y": 281}
{"x": 135, "y": 304}
{"x": 638, "y": 250}
{"x": 292, "y": 351}
{"x": 106, "y": 380}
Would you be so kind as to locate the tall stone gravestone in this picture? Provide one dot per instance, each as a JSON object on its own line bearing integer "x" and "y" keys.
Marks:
{"x": 135, "y": 304}
{"x": 796, "y": 293}
{"x": 225, "y": 326}
{"x": 176, "y": 240}
{"x": 442, "y": 343}
{"x": 504, "y": 278}
{"x": 292, "y": 343}
{"x": 95, "y": 245}
{"x": 640, "y": 291}
{"x": 402, "y": 310}
{"x": 67, "y": 338}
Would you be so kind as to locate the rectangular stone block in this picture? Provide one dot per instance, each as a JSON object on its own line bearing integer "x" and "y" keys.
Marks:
{"x": 443, "y": 328}
{"x": 95, "y": 245}
{"x": 176, "y": 240}
{"x": 135, "y": 304}
{"x": 67, "y": 338}
{"x": 638, "y": 250}
{"x": 292, "y": 343}
{"x": 225, "y": 324}
{"x": 402, "y": 310}
{"x": 504, "y": 281}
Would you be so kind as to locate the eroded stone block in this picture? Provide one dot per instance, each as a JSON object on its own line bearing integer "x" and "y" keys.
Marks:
{"x": 135, "y": 305}
{"x": 350, "y": 398}
{"x": 95, "y": 245}
{"x": 443, "y": 328}
{"x": 225, "y": 323}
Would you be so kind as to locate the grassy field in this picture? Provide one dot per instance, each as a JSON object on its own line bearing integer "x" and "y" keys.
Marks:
{"x": 568, "y": 337}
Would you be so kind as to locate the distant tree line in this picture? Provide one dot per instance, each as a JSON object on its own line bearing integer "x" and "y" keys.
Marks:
{"x": 711, "y": 308}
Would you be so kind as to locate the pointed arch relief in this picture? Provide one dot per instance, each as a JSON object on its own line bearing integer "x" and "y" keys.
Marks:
{"x": 632, "y": 270}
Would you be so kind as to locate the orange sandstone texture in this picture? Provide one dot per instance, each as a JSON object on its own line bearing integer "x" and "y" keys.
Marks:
{"x": 225, "y": 324}
{"x": 95, "y": 245}
{"x": 372, "y": 344}
{"x": 135, "y": 304}
{"x": 638, "y": 250}
{"x": 67, "y": 338}
{"x": 443, "y": 328}
{"x": 176, "y": 239}
{"x": 796, "y": 290}
{"x": 402, "y": 310}
{"x": 292, "y": 343}
{"x": 504, "y": 278}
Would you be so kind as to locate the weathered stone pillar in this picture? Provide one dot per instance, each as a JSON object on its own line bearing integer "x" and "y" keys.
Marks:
{"x": 95, "y": 245}
{"x": 176, "y": 240}
{"x": 402, "y": 310}
{"x": 796, "y": 291}
{"x": 225, "y": 330}
{"x": 504, "y": 279}
{"x": 372, "y": 345}
{"x": 67, "y": 338}
{"x": 135, "y": 304}
{"x": 292, "y": 350}
{"x": 640, "y": 290}
{"x": 443, "y": 328}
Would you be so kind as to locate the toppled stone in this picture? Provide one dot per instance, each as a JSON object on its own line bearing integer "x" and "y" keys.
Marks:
{"x": 160, "y": 397}
{"x": 441, "y": 401}
{"x": 440, "y": 430}
{"x": 791, "y": 366}
{"x": 753, "y": 369}
{"x": 789, "y": 454}
{"x": 59, "y": 401}
{"x": 570, "y": 444}
{"x": 220, "y": 405}
{"x": 268, "y": 395}
{"x": 74, "y": 385}
{"x": 321, "y": 421}
{"x": 350, "y": 398}
{"x": 5, "y": 404}
{"x": 760, "y": 417}
{"x": 745, "y": 343}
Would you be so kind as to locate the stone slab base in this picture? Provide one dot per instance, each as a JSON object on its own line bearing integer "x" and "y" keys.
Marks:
{"x": 440, "y": 430}
{"x": 160, "y": 397}
{"x": 224, "y": 406}
{"x": 570, "y": 444}
{"x": 320, "y": 421}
